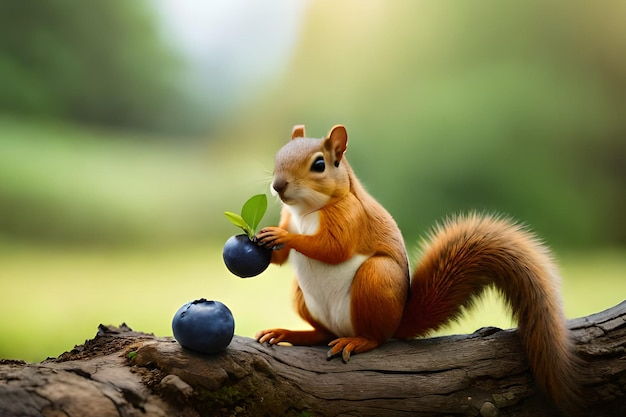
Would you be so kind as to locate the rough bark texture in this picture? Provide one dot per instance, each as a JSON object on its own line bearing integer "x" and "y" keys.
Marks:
{"x": 125, "y": 373}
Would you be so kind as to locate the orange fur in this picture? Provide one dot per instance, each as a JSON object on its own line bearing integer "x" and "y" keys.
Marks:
{"x": 376, "y": 314}
{"x": 331, "y": 244}
{"x": 339, "y": 232}
{"x": 470, "y": 253}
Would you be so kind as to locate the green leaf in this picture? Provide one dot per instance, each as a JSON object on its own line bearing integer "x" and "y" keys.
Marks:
{"x": 253, "y": 210}
{"x": 238, "y": 221}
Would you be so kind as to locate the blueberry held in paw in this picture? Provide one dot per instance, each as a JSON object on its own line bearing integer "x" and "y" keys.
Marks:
{"x": 204, "y": 326}
{"x": 244, "y": 257}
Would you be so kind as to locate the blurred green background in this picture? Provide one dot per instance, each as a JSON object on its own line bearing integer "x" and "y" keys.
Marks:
{"x": 128, "y": 128}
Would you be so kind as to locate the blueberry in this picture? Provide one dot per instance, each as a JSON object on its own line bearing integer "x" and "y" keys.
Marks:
{"x": 204, "y": 326}
{"x": 244, "y": 257}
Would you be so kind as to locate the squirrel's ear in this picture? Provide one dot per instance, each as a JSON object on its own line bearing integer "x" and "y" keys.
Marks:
{"x": 297, "y": 132}
{"x": 337, "y": 143}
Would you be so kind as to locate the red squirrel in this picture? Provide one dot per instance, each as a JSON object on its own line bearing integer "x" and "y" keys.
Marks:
{"x": 353, "y": 283}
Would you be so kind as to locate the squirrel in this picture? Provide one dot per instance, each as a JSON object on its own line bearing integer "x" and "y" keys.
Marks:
{"x": 353, "y": 283}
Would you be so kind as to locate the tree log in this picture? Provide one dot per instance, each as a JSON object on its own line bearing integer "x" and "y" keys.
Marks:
{"x": 122, "y": 373}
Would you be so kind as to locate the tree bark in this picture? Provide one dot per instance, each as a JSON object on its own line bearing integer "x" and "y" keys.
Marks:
{"x": 125, "y": 373}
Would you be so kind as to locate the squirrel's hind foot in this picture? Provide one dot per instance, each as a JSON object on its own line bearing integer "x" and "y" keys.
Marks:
{"x": 346, "y": 346}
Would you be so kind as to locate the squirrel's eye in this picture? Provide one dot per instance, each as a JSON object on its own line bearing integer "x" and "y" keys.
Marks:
{"x": 318, "y": 165}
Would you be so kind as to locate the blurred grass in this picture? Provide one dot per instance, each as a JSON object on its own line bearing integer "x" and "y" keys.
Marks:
{"x": 51, "y": 299}
{"x": 64, "y": 183}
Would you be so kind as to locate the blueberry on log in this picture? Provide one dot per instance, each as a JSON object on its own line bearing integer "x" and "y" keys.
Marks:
{"x": 244, "y": 257}
{"x": 204, "y": 326}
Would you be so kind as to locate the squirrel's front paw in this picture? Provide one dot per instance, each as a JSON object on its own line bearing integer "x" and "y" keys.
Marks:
{"x": 272, "y": 336}
{"x": 272, "y": 237}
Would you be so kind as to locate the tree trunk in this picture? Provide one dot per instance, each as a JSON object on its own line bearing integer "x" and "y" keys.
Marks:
{"x": 125, "y": 373}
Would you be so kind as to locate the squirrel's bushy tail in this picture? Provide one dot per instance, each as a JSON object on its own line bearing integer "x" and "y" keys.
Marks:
{"x": 469, "y": 253}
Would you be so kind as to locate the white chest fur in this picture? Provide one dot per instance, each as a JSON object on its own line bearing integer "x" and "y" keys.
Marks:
{"x": 326, "y": 287}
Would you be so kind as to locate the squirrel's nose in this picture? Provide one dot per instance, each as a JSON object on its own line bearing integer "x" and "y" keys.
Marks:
{"x": 279, "y": 185}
